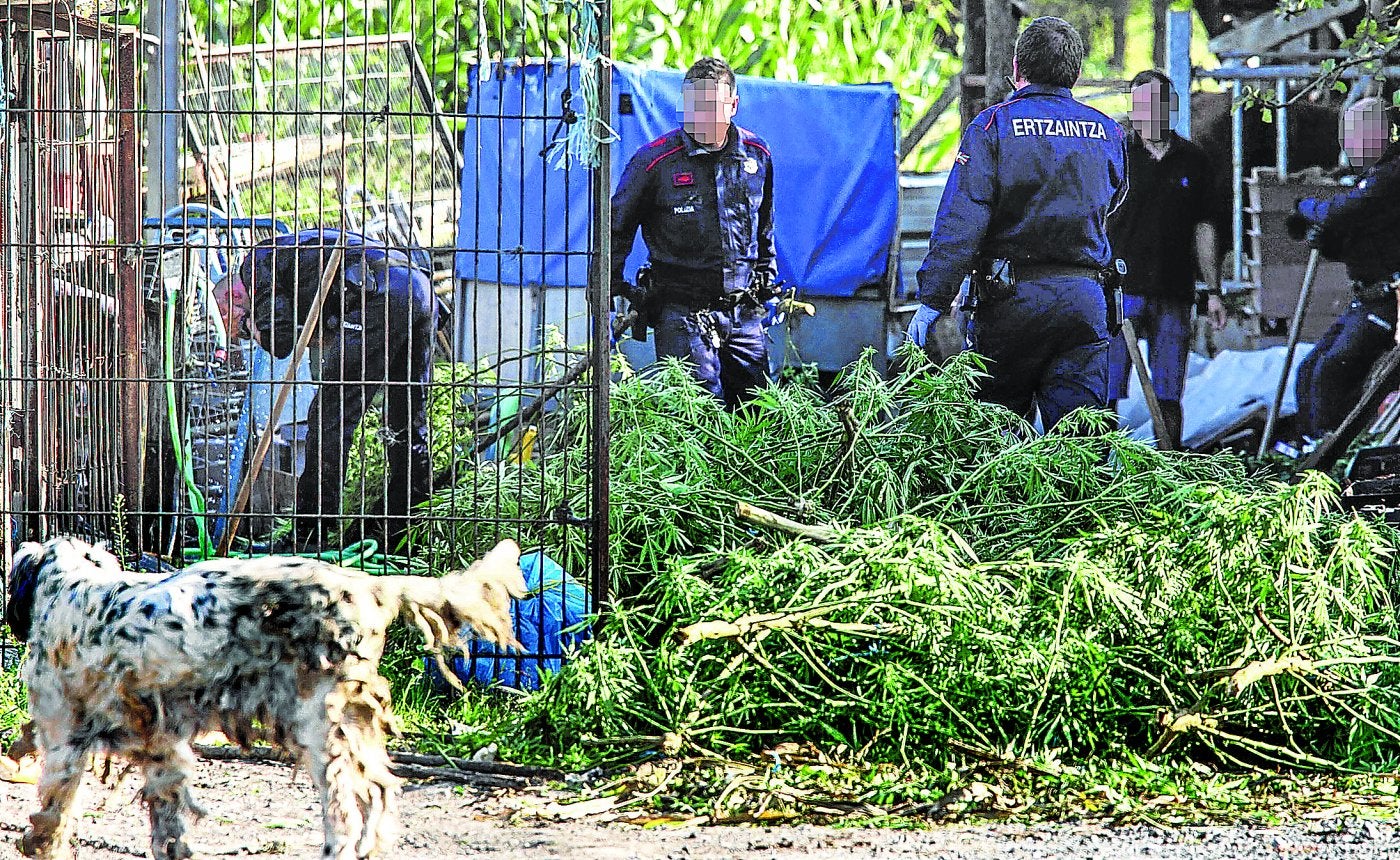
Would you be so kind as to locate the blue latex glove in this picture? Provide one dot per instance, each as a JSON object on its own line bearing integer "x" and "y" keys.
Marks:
{"x": 774, "y": 312}
{"x": 921, "y": 326}
{"x": 612, "y": 329}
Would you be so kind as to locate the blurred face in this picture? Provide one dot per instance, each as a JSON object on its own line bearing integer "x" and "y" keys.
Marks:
{"x": 706, "y": 109}
{"x": 1365, "y": 133}
{"x": 232, "y": 298}
{"x": 1154, "y": 110}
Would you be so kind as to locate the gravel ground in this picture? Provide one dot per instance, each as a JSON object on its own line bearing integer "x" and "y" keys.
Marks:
{"x": 266, "y": 809}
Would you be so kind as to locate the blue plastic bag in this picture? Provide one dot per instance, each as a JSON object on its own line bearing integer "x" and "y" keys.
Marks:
{"x": 549, "y": 621}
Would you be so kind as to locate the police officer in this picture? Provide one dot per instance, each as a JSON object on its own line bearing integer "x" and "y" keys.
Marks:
{"x": 1165, "y": 231}
{"x": 1034, "y": 181}
{"x": 1361, "y": 228}
{"x": 703, "y": 197}
{"x": 376, "y": 332}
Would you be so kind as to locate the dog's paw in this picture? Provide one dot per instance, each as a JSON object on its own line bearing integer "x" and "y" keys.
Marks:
{"x": 47, "y": 849}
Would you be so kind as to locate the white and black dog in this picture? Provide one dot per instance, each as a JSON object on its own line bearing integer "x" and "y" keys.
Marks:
{"x": 135, "y": 665}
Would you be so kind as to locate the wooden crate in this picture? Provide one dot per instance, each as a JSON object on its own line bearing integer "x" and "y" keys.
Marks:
{"x": 1277, "y": 263}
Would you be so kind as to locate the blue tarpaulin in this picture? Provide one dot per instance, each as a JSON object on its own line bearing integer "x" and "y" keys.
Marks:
{"x": 835, "y": 174}
{"x": 550, "y": 620}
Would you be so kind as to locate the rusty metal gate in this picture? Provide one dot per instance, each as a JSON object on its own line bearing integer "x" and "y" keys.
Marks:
{"x": 72, "y": 323}
{"x": 155, "y": 158}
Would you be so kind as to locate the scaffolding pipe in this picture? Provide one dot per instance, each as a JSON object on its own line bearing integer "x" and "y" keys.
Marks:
{"x": 1237, "y": 159}
{"x": 1281, "y": 121}
{"x": 1179, "y": 65}
{"x": 1273, "y": 73}
{"x": 1291, "y": 56}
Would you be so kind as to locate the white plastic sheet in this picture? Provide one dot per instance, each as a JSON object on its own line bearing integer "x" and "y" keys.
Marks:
{"x": 1219, "y": 392}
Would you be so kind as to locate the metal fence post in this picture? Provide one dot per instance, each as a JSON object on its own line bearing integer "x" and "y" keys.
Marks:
{"x": 130, "y": 302}
{"x": 162, "y": 84}
{"x": 600, "y": 300}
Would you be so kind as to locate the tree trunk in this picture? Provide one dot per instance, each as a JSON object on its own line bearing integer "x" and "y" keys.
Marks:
{"x": 974, "y": 58}
{"x": 1212, "y": 18}
{"x": 1159, "y": 33}
{"x": 1001, "y": 42}
{"x": 1120, "y": 35}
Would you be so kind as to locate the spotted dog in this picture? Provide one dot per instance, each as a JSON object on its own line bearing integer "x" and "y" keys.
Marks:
{"x": 135, "y": 665}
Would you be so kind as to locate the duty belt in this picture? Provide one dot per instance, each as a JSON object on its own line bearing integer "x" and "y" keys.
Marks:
{"x": 1369, "y": 291}
{"x": 1039, "y": 271}
{"x": 702, "y": 300}
{"x": 681, "y": 289}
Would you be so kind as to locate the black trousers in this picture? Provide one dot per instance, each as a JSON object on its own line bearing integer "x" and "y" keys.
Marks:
{"x": 1331, "y": 378}
{"x": 386, "y": 344}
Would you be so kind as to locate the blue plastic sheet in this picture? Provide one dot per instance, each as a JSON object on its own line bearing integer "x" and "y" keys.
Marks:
{"x": 550, "y": 620}
{"x": 835, "y": 175}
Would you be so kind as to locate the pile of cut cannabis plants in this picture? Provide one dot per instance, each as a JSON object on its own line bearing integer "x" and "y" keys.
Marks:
{"x": 896, "y": 569}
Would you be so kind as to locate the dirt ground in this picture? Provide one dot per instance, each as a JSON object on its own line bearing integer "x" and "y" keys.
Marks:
{"x": 258, "y": 809}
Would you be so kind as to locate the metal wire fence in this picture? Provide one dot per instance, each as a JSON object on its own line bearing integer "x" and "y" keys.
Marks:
{"x": 395, "y": 390}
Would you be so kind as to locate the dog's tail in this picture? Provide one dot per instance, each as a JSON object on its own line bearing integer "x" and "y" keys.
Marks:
{"x": 478, "y": 597}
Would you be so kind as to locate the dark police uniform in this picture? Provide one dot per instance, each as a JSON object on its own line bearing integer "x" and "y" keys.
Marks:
{"x": 1154, "y": 232}
{"x": 377, "y": 327}
{"x": 1034, "y": 181}
{"x": 707, "y": 220}
{"x": 1361, "y": 228}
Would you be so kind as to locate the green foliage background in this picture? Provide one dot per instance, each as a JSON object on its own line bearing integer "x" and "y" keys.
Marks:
{"x": 909, "y": 43}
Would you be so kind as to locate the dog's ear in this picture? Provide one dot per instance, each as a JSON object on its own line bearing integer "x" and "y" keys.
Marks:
{"x": 28, "y": 563}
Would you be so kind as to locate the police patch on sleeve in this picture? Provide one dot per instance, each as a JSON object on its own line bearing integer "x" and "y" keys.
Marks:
{"x": 962, "y": 157}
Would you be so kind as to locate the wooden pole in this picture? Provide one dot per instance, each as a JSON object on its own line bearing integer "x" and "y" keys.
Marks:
{"x": 1149, "y": 394}
{"x": 1001, "y": 44}
{"x": 974, "y": 52}
{"x": 1294, "y": 329}
{"x": 951, "y": 91}
{"x": 768, "y": 519}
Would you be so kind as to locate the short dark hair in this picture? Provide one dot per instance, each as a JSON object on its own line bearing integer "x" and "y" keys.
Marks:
{"x": 1050, "y": 52}
{"x": 1370, "y": 105}
{"x": 711, "y": 69}
{"x": 1149, "y": 75}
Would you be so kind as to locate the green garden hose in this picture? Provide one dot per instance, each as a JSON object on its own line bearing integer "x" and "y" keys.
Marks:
{"x": 182, "y": 458}
{"x": 362, "y": 555}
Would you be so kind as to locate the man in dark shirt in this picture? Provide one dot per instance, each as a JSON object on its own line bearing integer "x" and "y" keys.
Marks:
{"x": 1166, "y": 232}
{"x": 703, "y": 197}
{"x": 1361, "y": 228}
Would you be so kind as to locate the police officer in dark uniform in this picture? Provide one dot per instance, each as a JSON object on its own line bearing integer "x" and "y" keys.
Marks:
{"x": 376, "y": 331}
{"x": 1034, "y": 181}
{"x": 1361, "y": 228}
{"x": 1166, "y": 232}
{"x": 703, "y": 197}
